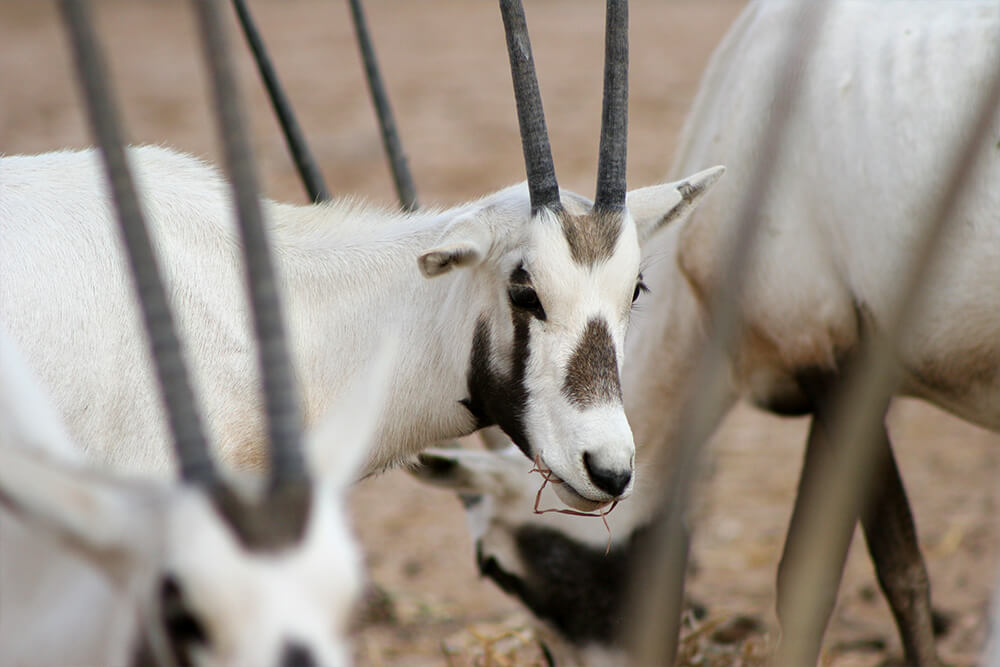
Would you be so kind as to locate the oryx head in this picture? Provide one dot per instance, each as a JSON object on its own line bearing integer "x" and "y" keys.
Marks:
{"x": 565, "y": 271}
{"x": 220, "y": 573}
{"x": 563, "y": 568}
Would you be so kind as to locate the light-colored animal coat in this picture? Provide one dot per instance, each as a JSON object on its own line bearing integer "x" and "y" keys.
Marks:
{"x": 349, "y": 275}
{"x": 177, "y": 568}
{"x": 882, "y": 107}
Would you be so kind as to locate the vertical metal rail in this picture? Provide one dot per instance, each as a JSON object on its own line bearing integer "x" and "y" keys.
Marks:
{"x": 657, "y": 587}
{"x": 284, "y": 422}
{"x": 179, "y": 401}
{"x": 401, "y": 176}
{"x": 310, "y": 174}
{"x": 839, "y": 494}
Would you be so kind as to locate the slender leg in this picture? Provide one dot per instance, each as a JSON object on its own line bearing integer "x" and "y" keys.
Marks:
{"x": 892, "y": 543}
{"x": 824, "y": 591}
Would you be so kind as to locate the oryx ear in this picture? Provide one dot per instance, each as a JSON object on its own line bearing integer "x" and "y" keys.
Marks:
{"x": 338, "y": 447}
{"x": 44, "y": 482}
{"x": 465, "y": 242}
{"x": 465, "y": 470}
{"x": 111, "y": 522}
{"x": 654, "y": 207}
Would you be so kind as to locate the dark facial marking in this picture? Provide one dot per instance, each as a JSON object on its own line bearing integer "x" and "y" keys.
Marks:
{"x": 591, "y": 237}
{"x": 274, "y": 523}
{"x": 470, "y": 500}
{"x": 295, "y": 654}
{"x": 592, "y": 371}
{"x": 495, "y": 397}
{"x": 574, "y": 586}
{"x": 182, "y": 627}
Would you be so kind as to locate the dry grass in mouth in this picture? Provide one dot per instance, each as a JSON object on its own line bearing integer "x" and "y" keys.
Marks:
{"x": 549, "y": 476}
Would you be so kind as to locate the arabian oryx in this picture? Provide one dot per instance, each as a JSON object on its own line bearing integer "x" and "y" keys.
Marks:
{"x": 209, "y": 570}
{"x": 202, "y": 580}
{"x": 514, "y": 307}
{"x": 883, "y": 103}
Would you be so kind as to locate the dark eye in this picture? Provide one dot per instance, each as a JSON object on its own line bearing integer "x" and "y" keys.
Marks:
{"x": 640, "y": 287}
{"x": 525, "y": 298}
{"x": 182, "y": 626}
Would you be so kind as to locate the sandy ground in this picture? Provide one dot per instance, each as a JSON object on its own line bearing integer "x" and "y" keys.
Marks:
{"x": 445, "y": 66}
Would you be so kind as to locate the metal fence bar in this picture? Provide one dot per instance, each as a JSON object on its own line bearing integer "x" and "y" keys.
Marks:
{"x": 401, "y": 176}
{"x": 839, "y": 495}
{"x": 310, "y": 174}
{"x": 658, "y": 584}
{"x": 284, "y": 421}
{"x": 179, "y": 401}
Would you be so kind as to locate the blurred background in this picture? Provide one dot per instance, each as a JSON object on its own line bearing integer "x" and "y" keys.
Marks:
{"x": 445, "y": 67}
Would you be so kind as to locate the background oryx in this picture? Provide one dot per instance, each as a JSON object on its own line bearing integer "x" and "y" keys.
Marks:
{"x": 847, "y": 199}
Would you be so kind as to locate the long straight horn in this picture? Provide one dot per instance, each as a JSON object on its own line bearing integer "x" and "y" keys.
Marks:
{"x": 614, "y": 116}
{"x": 534, "y": 138}
{"x": 283, "y": 418}
{"x": 182, "y": 414}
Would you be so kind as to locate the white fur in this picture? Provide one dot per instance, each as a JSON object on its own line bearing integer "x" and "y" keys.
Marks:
{"x": 136, "y": 531}
{"x": 883, "y": 105}
{"x": 347, "y": 273}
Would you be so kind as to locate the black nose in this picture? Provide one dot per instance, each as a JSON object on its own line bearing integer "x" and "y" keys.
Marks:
{"x": 297, "y": 655}
{"x": 612, "y": 482}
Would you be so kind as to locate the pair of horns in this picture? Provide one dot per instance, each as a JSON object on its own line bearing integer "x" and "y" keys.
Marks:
{"x": 542, "y": 184}
{"x": 191, "y": 446}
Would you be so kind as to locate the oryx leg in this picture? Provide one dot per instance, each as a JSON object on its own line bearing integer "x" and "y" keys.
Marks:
{"x": 892, "y": 543}
{"x": 815, "y": 462}
{"x": 889, "y": 532}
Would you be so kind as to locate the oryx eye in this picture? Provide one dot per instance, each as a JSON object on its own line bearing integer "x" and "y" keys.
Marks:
{"x": 182, "y": 626}
{"x": 522, "y": 295}
{"x": 640, "y": 287}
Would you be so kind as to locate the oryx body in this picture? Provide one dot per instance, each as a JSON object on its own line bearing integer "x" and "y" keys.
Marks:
{"x": 886, "y": 99}
{"x": 526, "y": 329}
{"x": 349, "y": 276}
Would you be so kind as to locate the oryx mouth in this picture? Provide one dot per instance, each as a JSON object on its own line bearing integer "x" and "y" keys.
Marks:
{"x": 582, "y": 506}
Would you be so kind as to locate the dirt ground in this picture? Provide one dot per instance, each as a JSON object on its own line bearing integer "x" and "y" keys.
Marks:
{"x": 445, "y": 66}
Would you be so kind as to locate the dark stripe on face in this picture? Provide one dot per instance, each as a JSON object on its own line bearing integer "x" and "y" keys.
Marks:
{"x": 496, "y": 397}
{"x": 592, "y": 371}
{"x": 592, "y": 237}
{"x": 295, "y": 654}
{"x": 276, "y": 522}
{"x": 573, "y": 586}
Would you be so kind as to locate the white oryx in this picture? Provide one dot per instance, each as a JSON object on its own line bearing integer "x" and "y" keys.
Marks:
{"x": 525, "y": 330}
{"x": 883, "y": 104}
{"x": 514, "y": 307}
{"x": 201, "y": 585}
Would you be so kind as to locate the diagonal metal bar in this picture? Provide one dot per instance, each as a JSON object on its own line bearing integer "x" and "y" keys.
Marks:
{"x": 840, "y": 494}
{"x": 284, "y": 422}
{"x": 656, "y": 595}
{"x": 182, "y": 414}
{"x": 311, "y": 177}
{"x": 401, "y": 176}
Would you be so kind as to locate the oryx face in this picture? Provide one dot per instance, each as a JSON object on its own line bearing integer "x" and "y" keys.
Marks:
{"x": 545, "y": 366}
{"x": 218, "y": 600}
